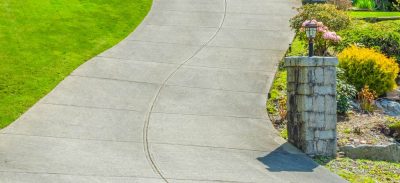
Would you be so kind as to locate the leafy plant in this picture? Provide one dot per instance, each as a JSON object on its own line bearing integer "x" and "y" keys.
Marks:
{"x": 284, "y": 133}
{"x": 333, "y": 18}
{"x": 366, "y": 98}
{"x": 345, "y": 93}
{"x": 394, "y": 124}
{"x": 365, "y": 4}
{"x": 324, "y": 38}
{"x": 277, "y": 92}
{"x": 384, "y": 5}
{"x": 396, "y": 5}
{"x": 282, "y": 107}
{"x": 382, "y": 36}
{"x": 329, "y": 19}
{"x": 364, "y": 66}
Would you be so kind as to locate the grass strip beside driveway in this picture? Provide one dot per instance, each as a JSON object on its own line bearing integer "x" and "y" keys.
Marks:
{"x": 42, "y": 41}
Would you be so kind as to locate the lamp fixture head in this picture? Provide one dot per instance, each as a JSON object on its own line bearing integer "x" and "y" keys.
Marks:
{"x": 311, "y": 30}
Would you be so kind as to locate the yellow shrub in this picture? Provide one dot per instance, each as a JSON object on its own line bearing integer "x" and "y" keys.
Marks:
{"x": 364, "y": 66}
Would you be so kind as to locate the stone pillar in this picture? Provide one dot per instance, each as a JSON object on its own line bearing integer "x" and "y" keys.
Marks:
{"x": 311, "y": 87}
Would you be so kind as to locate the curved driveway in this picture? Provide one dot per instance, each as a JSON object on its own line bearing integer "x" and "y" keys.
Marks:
{"x": 182, "y": 99}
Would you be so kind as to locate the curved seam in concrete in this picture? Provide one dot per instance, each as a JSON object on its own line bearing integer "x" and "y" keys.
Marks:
{"x": 147, "y": 119}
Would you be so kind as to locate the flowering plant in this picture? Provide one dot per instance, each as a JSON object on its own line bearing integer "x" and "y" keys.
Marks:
{"x": 323, "y": 39}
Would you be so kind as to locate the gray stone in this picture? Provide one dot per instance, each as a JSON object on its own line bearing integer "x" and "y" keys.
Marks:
{"x": 329, "y": 76}
{"x": 325, "y": 135}
{"x": 325, "y": 90}
{"x": 312, "y": 104}
{"x": 319, "y": 75}
{"x": 389, "y": 107}
{"x": 390, "y": 152}
{"x": 318, "y": 103}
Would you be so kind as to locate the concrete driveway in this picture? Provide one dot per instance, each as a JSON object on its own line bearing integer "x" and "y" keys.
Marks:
{"x": 182, "y": 99}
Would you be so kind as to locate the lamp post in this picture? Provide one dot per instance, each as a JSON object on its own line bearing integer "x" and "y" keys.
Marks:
{"x": 311, "y": 32}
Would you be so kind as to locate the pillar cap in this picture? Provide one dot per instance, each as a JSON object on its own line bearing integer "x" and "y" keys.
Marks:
{"x": 304, "y": 61}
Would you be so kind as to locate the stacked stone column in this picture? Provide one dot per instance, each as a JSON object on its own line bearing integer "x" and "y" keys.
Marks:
{"x": 311, "y": 87}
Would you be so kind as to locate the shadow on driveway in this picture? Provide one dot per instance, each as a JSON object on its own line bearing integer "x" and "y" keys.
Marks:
{"x": 288, "y": 158}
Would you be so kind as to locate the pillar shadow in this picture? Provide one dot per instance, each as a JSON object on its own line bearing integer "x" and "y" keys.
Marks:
{"x": 288, "y": 158}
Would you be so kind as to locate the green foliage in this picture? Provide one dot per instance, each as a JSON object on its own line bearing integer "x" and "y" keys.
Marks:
{"x": 360, "y": 171}
{"x": 365, "y": 4}
{"x": 278, "y": 91}
{"x": 375, "y": 14}
{"x": 326, "y": 14}
{"x": 384, "y": 5}
{"x": 284, "y": 133}
{"x": 333, "y": 18}
{"x": 42, "y": 41}
{"x": 383, "y": 36}
{"x": 345, "y": 93}
{"x": 395, "y": 125}
{"x": 298, "y": 47}
{"x": 367, "y": 67}
{"x": 395, "y": 5}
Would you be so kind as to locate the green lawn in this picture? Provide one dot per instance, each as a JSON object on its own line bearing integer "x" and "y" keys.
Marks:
{"x": 366, "y": 14}
{"x": 363, "y": 171}
{"x": 42, "y": 41}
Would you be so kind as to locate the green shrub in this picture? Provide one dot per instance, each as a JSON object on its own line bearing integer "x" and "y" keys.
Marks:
{"x": 395, "y": 126}
{"x": 385, "y": 5}
{"x": 395, "y": 5}
{"x": 367, "y": 67}
{"x": 345, "y": 93}
{"x": 333, "y": 18}
{"x": 383, "y": 36}
{"x": 365, "y": 4}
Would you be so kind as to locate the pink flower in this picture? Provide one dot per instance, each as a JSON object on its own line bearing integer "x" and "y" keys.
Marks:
{"x": 331, "y": 36}
{"x": 321, "y": 29}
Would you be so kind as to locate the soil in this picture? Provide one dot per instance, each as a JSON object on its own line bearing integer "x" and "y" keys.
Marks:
{"x": 356, "y": 128}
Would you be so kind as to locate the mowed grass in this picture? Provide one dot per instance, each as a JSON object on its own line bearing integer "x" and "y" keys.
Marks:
{"x": 363, "y": 171}
{"x": 42, "y": 41}
{"x": 375, "y": 14}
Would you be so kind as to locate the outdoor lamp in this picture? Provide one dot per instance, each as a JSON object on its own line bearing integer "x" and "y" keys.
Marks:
{"x": 311, "y": 32}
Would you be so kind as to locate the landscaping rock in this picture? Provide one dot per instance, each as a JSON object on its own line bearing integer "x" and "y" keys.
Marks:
{"x": 389, "y": 152}
{"x": 355, "y": 106}
{"x": 389, "y": 107}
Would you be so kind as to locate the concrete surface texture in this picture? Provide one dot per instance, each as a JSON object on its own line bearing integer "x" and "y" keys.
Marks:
{"x": 182, "y": 99}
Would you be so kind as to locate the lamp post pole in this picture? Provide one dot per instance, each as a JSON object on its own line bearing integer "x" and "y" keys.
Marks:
{"x": 311, "y": 47}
